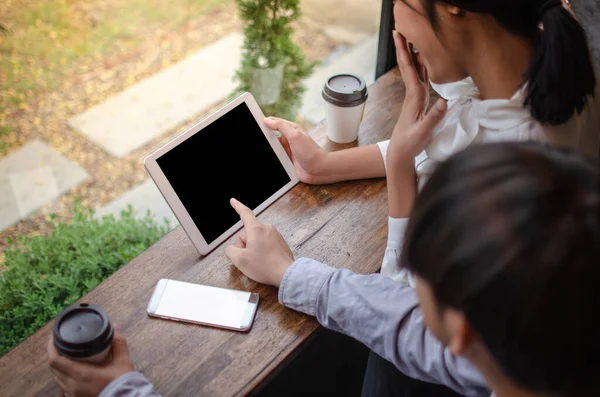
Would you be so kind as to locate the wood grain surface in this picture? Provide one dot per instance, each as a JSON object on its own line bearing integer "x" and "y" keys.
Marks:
{"x": 343, "y": 225}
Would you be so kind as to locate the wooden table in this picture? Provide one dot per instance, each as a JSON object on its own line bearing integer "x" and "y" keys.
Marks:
{"x": 342, "y": 224}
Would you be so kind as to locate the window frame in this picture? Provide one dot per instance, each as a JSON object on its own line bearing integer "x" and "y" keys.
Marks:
{"x": 386, "y": 53}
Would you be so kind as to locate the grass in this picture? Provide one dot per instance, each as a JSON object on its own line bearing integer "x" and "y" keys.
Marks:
{"x": 52, "y": 39}
{"x": 43, "y": 275}
{"x": 4, "y": 130}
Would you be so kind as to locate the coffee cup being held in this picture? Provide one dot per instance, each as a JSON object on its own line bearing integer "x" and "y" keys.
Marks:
{"x": 84, "y": 332}
{"x": 345, "y": 96}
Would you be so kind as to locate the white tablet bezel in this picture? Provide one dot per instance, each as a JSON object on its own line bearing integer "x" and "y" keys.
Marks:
{"x": 173, "y": 200}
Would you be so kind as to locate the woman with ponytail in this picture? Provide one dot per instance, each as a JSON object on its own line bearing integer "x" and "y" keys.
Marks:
{"x": 528, "y": 52}
{"x": 535, "y": 79}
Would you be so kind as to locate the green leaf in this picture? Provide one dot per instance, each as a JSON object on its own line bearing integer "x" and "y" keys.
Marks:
{"x": 46, "y": 274}
{"x": 268, "y": 34}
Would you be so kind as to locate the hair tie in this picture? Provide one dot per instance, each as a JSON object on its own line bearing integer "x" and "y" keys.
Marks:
{"x": 547, "y": 6}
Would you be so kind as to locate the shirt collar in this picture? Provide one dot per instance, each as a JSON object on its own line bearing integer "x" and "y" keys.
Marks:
{"x": 493, "y": 114}
{"x": 456, "y": 89}
{"x": 502, "y": 114}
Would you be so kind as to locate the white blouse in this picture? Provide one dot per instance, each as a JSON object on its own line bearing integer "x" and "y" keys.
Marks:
{"x": 471, "y": 120}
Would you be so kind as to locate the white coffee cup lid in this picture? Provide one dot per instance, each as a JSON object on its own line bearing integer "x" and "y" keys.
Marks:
{"x": 345, "y": 90}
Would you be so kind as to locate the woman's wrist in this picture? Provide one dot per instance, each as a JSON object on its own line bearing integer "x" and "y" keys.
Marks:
{"x": 324, "y": 167}
{"x": 348, "y": 164}
{"x": 398, "y": 162}
{"x": 402, "y": 188}
{"x": 321, "y": 171}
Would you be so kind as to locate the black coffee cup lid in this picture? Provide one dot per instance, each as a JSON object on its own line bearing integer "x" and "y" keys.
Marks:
{"x": 82, "y": 330}
{"x": 345, "y": 90}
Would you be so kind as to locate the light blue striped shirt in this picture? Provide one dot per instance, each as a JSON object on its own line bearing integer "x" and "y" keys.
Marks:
{"x": 373, "y": 309}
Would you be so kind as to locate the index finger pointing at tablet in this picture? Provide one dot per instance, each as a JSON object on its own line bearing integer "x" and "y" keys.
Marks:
{"x": 245, "y": 213}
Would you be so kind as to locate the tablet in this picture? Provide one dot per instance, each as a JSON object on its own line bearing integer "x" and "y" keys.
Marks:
{"x": 231, "y": 153}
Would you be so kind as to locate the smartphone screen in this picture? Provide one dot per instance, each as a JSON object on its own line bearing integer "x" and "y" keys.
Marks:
{"x": 202, "y": 304}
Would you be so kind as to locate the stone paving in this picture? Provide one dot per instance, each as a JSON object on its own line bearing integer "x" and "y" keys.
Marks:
{"x": 32, "y": 177}
{"x": 347, "y": 21}
{"x": 359, "y": 59}
{"x": 36, "y": 175}
{"x": 143, "y": 198}
{"x": 162, "y": 102}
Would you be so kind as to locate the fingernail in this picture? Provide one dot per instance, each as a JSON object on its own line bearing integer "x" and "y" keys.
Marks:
{"x": 441, "y": 104}
{"x": 234, "y": 201}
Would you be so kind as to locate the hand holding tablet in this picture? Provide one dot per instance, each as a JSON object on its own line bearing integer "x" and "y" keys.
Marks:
{"x": 229, "y": 154}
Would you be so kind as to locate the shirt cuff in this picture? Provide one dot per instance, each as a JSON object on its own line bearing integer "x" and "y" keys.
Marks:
{"x": 130, "y": 380}
{"x": 301, "y": 284}
{"x": 383, "y": 147}
{"x": 396, "y": 231}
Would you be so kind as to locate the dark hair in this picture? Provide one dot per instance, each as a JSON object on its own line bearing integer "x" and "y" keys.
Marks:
{"x": 561, "y": 76}
{"x": 509, "y": 234}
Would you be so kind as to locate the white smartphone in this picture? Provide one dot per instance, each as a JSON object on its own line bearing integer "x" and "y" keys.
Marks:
{"x": 201, "y": 304}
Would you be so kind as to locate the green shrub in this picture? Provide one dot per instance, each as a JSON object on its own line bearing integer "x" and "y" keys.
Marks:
{"x": 46, "y": 274}
{"x": 268, "y": 36}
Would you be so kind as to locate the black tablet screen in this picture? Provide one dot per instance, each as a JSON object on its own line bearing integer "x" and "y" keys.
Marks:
{"x": 229, "y": 158}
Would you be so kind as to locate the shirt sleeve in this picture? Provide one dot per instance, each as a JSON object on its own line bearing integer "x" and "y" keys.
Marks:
{"x": 383, "y": 147}
{"x": 391, "y": 259}
{"x": 131, "y": 384}
{"x": 382, "y": 314}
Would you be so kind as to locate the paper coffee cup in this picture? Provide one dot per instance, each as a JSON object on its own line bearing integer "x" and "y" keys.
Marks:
{"x": 83, "y": 332}
{"x": 345, "y": 96}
